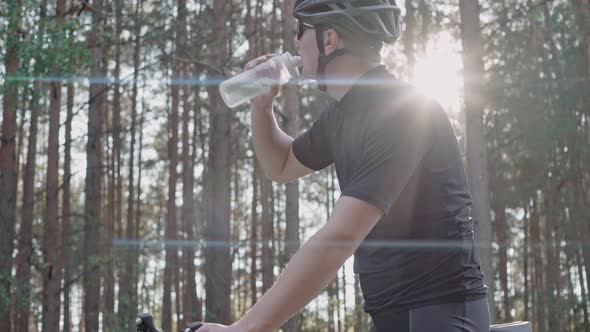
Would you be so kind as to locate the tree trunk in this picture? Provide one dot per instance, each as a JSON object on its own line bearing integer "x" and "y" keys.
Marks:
{"x": 109, "y": 212}
{"x": 67, "y": 242}
{"x": 501, "y": 237}
{"x": 115, "y": 189}
{"x": 583, "y": 9}
{"x": 338, "y": 304}
{"x": 331, "y": 291}
{"x": 267, "y": 230}
{"x": 177, "y": 290}
{"x": 260, "y": 42}
{"x": 344, "y": 300}
{"x": 409, "y": 37}
{"x": 51, "y": 268}
{"x": 127, "y": 308}
{"x": 250, "y": 32}
{"x": 117, "y": 139}
{"x": 21, "y": 135}
{"x": 24, "y": 259}
{"x": 425, "y": 14}
{"x": 138, "y": 220}
{"x": 170, "y": 272}
{"x": 188, "y": 215}
{"x": 291, "y": 107}
{"x": 553, "y": 321}
{"x": 254, "y": 234}
{"x": 333, "y": 287}
{"x": 92, "y": 187}
{"x": 8, "y": 180}
{"x": 358, "y": 306}
{"x": 584, "y": 290}
{"x": 539, "y": 305}
{"x": 273, "y": 27}
{"x": 198, "y": 137}
{"x": 526, "y": 263}
{"x": 25, "y": 249}
{"x": 218, "y": 260}
{"x": 476, "y": 145}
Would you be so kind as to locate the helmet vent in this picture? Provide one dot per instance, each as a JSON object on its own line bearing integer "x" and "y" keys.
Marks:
{"x": 366, "y": 3}
{"x": 384, "y": 19}
{"x": 319, "y": 9}
{"x": 364, "y": 22}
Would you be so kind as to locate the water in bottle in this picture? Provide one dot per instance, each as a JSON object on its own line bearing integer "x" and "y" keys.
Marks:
{"x": 243, "y": 87}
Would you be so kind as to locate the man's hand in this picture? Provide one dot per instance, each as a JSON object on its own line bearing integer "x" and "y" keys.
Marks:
{"x": 264, "y": 100}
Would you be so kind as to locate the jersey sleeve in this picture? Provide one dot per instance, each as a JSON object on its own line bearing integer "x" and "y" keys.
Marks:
{"x": 312, "y": 148}
{"x": 392, "y": 149}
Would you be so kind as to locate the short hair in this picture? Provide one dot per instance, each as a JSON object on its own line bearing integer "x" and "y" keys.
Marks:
{"x": 363, "y": 47}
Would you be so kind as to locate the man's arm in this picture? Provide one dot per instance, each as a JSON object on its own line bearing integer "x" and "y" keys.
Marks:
{"x": 271, "y": 144}
{"x": 313, "y": 266}
{"x": 273, "y": 148}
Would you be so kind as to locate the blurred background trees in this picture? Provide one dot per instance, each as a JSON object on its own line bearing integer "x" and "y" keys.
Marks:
{"x": 126, "y": 185}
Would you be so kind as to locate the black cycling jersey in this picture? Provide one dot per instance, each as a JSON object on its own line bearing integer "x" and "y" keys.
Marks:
{"x": 396, "y": 149}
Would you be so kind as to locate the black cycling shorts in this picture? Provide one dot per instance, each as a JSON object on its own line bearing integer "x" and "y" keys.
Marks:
{"x": 469, "y": 316}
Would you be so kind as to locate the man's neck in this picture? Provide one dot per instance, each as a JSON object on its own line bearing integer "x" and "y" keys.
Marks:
{"x": 342, "y": 73}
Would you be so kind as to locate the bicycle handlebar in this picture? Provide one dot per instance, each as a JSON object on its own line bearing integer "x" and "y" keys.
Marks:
{"x": 145, "y": 323}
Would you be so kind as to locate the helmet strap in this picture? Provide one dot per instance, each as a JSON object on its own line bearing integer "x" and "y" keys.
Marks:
{"x": 324, "y": 59}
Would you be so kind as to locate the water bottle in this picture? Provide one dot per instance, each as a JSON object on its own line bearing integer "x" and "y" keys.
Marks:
{"x": 249, "y": 84}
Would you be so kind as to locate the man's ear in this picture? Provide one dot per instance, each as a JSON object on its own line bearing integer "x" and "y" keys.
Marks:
{"x": 332, "y": 41}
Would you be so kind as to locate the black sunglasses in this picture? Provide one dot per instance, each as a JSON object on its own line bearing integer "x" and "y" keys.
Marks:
{"x": 301, "y": 28}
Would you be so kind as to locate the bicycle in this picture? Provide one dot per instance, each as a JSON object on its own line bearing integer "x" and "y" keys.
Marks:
{"x": 145, "y": 323}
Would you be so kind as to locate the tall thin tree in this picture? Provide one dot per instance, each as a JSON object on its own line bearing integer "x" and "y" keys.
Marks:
{"x": 291, "y": 106}
{"x": 409, "y": 34}
{"x": 218, "y": 259}
{"x": 188, "y": 295}
{"x": 8, "y": 180}
{"x": 25, "y": 247}
{"x": 126, "y": 293}
{"x": 171, "y": 225}
{"x": 67, "y": 242}
{"x": 190, "y": 300}
{"x": 92, "y": 215}
{"x": 114, "y": 197}
{"x": 25, "y": 254}
{"x": 477, "y": 164}
{"x": 52, "y": 266}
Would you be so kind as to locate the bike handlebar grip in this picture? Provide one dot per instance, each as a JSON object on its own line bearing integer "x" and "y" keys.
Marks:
{"x": 145, "y": 323}
{"x": 192, "y": 327}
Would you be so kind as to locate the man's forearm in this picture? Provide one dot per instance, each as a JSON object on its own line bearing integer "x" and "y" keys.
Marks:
{"x": 271, "y": 144}
{"x": 307, "y": 274}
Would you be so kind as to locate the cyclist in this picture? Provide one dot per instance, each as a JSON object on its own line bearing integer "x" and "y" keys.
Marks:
{"x": 404, "y": 211}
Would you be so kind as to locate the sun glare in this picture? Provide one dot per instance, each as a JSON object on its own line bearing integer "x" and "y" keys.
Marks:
{"x": 438, "y": 72}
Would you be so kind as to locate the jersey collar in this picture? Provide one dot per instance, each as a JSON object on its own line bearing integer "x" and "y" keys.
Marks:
{"x": 362, "y": 89}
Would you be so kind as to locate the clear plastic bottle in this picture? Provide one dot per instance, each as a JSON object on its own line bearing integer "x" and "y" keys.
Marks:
{"x": 243, "y": 87}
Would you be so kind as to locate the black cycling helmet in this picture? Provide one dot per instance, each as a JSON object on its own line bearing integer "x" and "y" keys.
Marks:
{"x": 373, "y": 21}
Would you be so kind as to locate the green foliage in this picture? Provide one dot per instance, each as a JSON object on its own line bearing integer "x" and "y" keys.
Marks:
{"x": 60, "y": 53}
{"x": 536, "y": 138}
{"x": 5, "y": 279}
